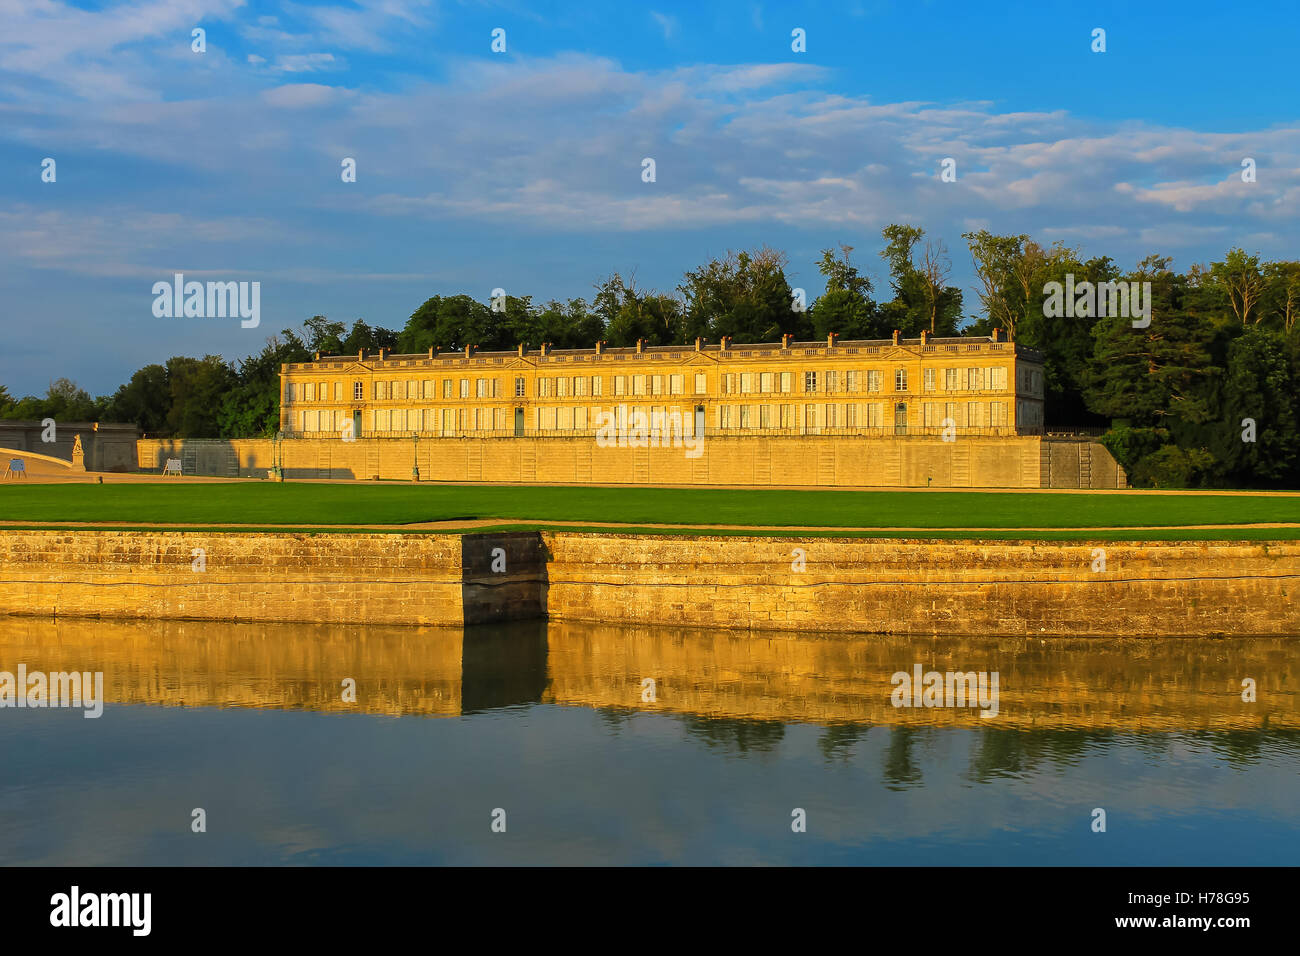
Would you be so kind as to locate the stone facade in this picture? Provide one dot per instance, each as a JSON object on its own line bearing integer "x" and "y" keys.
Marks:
{"x": 812, "y": 461}
{"x": 985, "y": 386}
{"x": 906, "y": 587}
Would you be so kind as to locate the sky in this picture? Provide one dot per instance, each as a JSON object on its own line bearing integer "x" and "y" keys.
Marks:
{"x": 523, "y": 169}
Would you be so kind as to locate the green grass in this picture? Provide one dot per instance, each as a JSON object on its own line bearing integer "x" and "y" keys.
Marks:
{"x": 256, "y": 503}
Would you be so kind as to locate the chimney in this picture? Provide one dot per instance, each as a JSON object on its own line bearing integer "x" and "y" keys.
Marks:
{"x": 361, "y": 355}
{"x": 925, "y": 336}
{"x": 546, "y": 348}
{"x": 315, "y": 357}
{"x": 600, "y": 347}
{"x": 522, "y": 349}
{"x": 382, "y": 354}
{"x": 469, "y": 350}
{"x": 997, "y": 335}
{"x": 433, "y": 349}
{"x": 725, "y": 343}
{"x": 640, "y": 346}
{"x": 830, "y": 339}
{"x": 785, "y": 340}
{"x": 895, "y": 336}
{"x": 699, "y": 344}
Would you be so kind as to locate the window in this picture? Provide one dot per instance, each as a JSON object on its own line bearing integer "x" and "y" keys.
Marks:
{"x": 399, "y": 390}
{"x": 446, "y": 388}
{"x": 309, "y": 393}
{"x": 519, "y": 387}
{"x": 656, "y": 384}
{"x": 580, "y": 386}
{"x": 851, "y": 381}
{"x": 830, "y": 414}
{"x": 975, "y": 414}
{"x": 928, "y": 380}
{"x": 930, "y": 414}
{"x": 850, "y": 416}
{"x": 900, "y": 380}
{"x": 428, "y": 388}
{"x": 831, "y": 382}
{"x": 873, "y": 380}
{"x": 810, "y": 382}
{"x": 676, "y": 383}
{"x": 620, "y": 384}
{"x": 358, "y": 391}
{"x": 787, "y": 413}
{"x": 765, "y": 382}
{"x": 595, "y": 385}
{"x": 480, "y": 388}
{"x": 464, "y": 388}
{"x": 998, "y": 417}
{"x": 700, "y": 383}
{"x": 950, "y": 413}
{"x": 746, "y": 383}
{"x": 728, "y": 384}
{"x": 973, "y": 383}
{"x": 638, "y": 384}
{"x": 562, "y": 387}
{"x": 950, "y": 380}
{"x": 724, "y": 416}
{"x": 787, "y": 381}
{"x": 745, "y": 420}
{"x": 998, "y": 379}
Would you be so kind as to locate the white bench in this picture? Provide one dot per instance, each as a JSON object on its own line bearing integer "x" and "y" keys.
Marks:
{"x": 173, "y": 467}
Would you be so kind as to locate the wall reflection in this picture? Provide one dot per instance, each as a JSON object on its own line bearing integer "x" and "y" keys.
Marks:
{"x": 733, "y": 689}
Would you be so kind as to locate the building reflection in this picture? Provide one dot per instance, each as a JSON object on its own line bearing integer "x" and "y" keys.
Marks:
{"x": 733, "y": 690}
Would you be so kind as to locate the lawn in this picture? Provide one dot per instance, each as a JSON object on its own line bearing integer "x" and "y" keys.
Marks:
{"x": 291, "y": 503}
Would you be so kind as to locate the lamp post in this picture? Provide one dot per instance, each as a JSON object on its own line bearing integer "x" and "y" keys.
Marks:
{"x": 415, "y": 464}
{"x": 278, "y": 467}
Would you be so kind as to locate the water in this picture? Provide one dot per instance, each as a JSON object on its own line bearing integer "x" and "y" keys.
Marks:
{"x": 547, "y": 723}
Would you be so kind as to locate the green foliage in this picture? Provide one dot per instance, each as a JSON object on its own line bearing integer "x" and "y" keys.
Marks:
{"x": 1174, "y": 467}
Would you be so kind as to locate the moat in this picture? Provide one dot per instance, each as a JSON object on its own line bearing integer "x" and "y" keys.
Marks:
{"x": 611, "y": 745}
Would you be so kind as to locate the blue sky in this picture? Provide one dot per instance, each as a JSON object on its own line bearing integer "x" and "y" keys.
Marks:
{"x": 522, "y": 170}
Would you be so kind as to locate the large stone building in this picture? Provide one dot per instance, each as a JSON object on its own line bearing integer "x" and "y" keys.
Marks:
{"x": 983, "y": 386}
{"x": 928, "y": 412}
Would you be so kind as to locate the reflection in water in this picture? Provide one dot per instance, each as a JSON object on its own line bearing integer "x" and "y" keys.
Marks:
{"x": 551, "y": 718}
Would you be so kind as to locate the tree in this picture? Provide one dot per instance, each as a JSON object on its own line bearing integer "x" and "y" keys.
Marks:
{"x": 1258, "y": 387}
{"x": 846, "y": 307}
{"x": 1242, "y": 282}
{"x": 745, "y": 296}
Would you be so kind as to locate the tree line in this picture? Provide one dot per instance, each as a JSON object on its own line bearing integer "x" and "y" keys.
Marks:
{"x": 1206, "y": 395}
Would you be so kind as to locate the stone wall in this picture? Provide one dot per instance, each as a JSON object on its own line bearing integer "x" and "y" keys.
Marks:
{"x": 104, "y": 446}
{"x": 346, "y": 578}
{"x": 926, "y": 587}
{"x": 810, "y": 460}
{"x": 907, "y": 587}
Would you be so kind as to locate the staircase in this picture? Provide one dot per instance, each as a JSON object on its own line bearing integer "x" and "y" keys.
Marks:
{"x": 474, "y": 462}
{"x": 1085, "y": 464}
{"x": 323, "y": 461}
{"x": 582, "y": 463}
{"x": 762, "y": 463}
{"x": 961, "y": 465}
{"x": 372, "y": 462}
{"x": 825, "y": 464}
{"x": 641, "y": 466}
{"x": 528, "y": 462}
